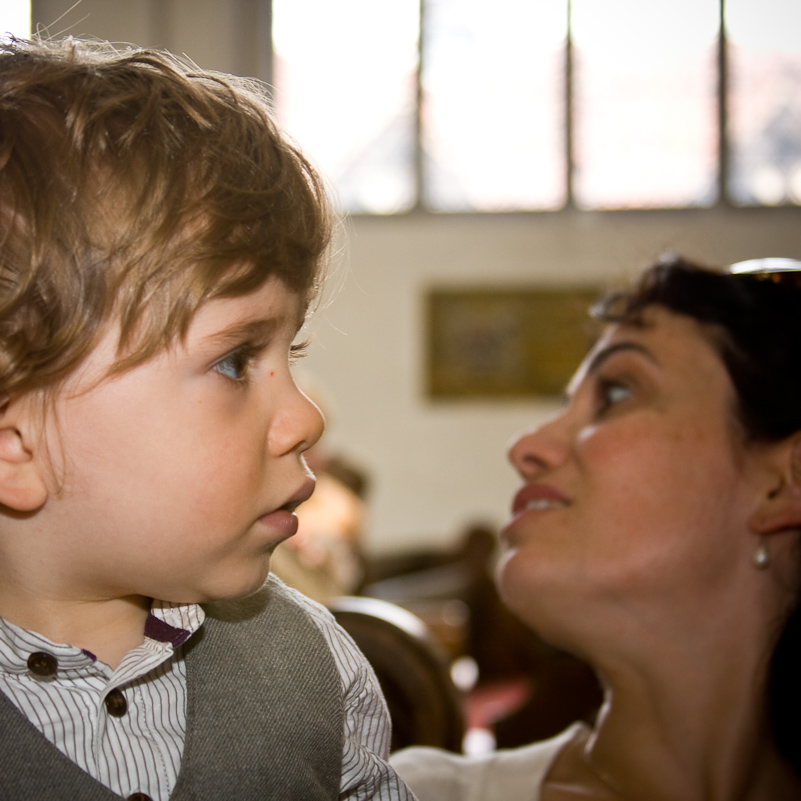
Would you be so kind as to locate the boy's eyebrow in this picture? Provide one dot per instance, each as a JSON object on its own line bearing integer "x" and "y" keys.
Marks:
{"x": 246, "y": 330}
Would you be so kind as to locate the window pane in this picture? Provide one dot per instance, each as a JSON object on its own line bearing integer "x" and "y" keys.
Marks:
{"x": 345, "y": 86}
{"x": 764, "y": 101}
{"x": 645, "y": 108}
{"x": 15, "y": 18}
{"x": 493, "y": 108}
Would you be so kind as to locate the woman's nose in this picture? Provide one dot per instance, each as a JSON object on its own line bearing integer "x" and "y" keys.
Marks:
{"x": 540, "y": 448}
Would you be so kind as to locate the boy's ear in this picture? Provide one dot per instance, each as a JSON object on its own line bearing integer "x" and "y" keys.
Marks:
{"x": 780, "y": 509}
{"x": 22, "y": 486}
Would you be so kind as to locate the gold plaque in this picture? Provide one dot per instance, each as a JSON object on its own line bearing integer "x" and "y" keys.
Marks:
{"x": 506, "y": 342}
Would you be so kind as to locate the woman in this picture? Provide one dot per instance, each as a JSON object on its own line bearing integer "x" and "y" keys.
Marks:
{"x": 656, "y": 536}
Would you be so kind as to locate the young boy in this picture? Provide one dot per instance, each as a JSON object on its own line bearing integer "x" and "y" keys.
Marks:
{"x": 160, "y": 243}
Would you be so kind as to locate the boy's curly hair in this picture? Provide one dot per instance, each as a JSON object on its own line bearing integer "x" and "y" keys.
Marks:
{"x": 133, "y": 188}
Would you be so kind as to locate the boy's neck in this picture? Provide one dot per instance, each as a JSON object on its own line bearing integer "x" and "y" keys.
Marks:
{"x": 109, "y": 629}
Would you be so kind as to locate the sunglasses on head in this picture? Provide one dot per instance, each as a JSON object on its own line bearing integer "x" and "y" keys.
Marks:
{"x": 770, "y": 266}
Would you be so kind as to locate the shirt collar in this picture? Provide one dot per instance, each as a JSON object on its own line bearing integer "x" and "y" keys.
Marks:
{"x": 173, "y": 623}
{"x": 166, "y": 622}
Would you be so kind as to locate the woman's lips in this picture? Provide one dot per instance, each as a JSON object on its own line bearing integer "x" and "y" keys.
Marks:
{"x": 532, "y": 498}
{"x": 537, "y": 497}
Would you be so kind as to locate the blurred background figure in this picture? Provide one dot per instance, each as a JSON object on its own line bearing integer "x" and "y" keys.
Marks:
{"x": 324, "y": 559}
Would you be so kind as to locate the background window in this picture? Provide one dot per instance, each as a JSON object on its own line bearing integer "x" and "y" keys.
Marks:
{"x": 764, "y": 59}
{"x": 533, "y": 105}
{"x": 645, "y": 103}
{"x": 15, "y": 18}
{"x": 345, "y": 76}
{"x": 493, "y": 119}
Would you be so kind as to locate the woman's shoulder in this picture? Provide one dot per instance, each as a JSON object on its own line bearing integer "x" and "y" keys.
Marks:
{"x": 437, "y": 775}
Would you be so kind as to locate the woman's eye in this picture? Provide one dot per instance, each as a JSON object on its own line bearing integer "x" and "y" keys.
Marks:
{"x": 613, "y": 392}
{"x": 235, "y": 365}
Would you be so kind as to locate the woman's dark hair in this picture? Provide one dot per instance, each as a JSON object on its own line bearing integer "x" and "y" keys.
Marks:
{"x": 755, "y": 323}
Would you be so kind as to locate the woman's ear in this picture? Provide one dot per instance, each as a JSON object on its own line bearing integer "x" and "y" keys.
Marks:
{"x": 22, "y": 485}
{"x": 780, "y": 508}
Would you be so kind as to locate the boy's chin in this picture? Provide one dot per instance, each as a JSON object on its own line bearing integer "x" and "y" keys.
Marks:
{"x": 227, "y": 591}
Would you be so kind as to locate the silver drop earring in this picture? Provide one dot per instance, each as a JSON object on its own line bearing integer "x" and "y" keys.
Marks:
{"x": 761, "y": 557}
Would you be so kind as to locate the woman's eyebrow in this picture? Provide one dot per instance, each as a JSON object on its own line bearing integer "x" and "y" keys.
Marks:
{"x": 599, "y": 358}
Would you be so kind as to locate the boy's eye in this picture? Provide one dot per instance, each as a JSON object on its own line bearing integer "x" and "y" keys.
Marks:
{"x": 235, "y": 365}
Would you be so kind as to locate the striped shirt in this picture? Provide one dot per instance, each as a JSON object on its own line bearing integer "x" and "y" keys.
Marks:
{"x": 126, "y": 727}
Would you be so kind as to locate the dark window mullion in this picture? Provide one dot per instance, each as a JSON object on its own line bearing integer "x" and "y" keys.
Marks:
{"x": 723, "y": 111}
{"x": 569, "y": 110}
{"x": 419, "y": 152}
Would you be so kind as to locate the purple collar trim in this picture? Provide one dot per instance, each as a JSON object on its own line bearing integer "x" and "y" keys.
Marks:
{"x": 156, "y": 629}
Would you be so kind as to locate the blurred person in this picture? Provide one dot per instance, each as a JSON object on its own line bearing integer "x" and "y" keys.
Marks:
{"x": 324, "y": 560}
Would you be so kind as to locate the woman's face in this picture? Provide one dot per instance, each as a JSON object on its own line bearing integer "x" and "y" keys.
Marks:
{"x": 639, "y": 491}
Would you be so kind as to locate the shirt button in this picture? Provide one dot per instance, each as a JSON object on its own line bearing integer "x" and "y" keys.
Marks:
{"x": 139, "y": 797}
{"x": 116, "y": 705}
{"x": 42, "y": 664}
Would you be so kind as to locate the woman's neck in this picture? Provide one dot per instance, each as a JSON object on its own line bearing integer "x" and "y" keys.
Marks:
{"x": 676, "y": 729}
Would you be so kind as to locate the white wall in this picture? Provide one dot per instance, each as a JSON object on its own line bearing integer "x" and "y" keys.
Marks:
{"x": 434, "y": 466}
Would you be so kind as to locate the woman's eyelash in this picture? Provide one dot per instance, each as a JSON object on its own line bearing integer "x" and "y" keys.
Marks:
{"x": 611, "y": 392}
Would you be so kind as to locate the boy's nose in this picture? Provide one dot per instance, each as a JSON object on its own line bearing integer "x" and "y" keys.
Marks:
{"x": 297, "y": 425}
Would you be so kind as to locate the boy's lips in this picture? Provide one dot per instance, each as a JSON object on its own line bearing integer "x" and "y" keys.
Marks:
{"x": 283, "y": 520}
{"x": 302, "y": 494}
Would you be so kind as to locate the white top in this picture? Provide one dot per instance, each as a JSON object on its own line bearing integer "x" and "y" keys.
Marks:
{"x": 514, "y": 774}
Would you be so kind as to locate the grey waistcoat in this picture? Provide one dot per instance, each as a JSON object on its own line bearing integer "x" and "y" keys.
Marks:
{"x": 264, "y": 716}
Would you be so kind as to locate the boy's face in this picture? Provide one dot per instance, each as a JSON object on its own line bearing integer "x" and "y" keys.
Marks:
{"x": 180, "y": 476}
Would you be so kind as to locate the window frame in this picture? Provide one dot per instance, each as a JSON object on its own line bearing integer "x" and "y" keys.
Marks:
{"x": 723, "y": 200}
